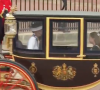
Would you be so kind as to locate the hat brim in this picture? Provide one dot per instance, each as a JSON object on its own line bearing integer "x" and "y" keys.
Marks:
{"x": 36, "y": 29}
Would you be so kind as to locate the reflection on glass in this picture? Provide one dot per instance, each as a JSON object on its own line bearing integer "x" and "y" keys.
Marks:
{"x": 30, "y": 38}
{"x": 65, "y": 33}
{"x": 93, "y": 36}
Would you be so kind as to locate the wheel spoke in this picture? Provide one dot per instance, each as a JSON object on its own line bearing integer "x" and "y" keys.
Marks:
{"x": 7, "y": 80}
{"x": 16, "y": 84}
{"x": 12, "y": 77}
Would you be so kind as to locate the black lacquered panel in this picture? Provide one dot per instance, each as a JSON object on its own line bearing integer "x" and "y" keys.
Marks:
{"x": 45, "y": 70}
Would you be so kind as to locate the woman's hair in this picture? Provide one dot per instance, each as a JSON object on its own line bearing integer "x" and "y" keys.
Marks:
{"x": 96, "y": 37}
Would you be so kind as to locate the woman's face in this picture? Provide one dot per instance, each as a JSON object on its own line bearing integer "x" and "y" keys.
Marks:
{"x": 91, "y": 40}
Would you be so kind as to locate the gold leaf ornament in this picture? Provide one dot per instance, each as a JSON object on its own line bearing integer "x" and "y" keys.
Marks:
{"x": 95, "y": 70}
{"x": 33, "y": 68}
{"x": 64, "y": 72}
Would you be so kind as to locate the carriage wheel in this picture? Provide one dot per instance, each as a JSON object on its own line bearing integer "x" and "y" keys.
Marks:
{"x": 14, "y": 76}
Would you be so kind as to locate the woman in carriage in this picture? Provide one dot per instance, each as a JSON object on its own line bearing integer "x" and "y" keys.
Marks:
{"x": 94, "y": 39}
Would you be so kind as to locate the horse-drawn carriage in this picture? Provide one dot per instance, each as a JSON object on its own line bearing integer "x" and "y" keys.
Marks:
{"x": 66, "y": 59}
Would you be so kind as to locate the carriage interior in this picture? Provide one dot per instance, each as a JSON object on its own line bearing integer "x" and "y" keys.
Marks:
{"x": 64, "y": 40}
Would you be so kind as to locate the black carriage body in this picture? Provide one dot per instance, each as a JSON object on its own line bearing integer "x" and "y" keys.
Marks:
{"x": 79, "y": 57}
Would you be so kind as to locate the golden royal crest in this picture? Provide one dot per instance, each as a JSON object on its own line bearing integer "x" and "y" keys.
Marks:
{"x": 33, "y": 68}
{"x": 64, "y": 72}
{"x": 95, "y": 70}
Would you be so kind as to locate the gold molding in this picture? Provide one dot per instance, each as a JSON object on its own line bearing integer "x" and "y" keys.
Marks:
{"x": 66, "y": 59}
{"x": 71, "y": 18}
{"x": 81, "y": 39}
{"x": 47, "y": 37}
{"x": 28, "y": 57}
{"x": 80, "y": 56}
{"x": 84, "y": 87}
{"x": 50, "y": 58}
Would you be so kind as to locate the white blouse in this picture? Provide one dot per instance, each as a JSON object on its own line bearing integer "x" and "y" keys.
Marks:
{"x": 33, "y": 43}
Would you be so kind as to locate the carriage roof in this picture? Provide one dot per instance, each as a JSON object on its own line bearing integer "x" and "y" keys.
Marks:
{"x": 58, "y": 13}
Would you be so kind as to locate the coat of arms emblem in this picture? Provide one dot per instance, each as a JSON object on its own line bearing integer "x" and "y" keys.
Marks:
{"x": 95, "y": 70}
{"x": 33, "y": 68}
{"x": 64, "y": 72}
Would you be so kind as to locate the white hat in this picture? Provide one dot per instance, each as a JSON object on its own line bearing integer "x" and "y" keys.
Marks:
{"x": 36, "y": 26}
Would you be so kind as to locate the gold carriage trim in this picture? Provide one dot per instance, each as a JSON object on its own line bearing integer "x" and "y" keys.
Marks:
{"x": 95, "y": 70}
{"x": 33, "y": 68}
{"x": 64, "y": 72}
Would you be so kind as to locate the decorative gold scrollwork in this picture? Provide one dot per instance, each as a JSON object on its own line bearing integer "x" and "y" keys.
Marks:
{"x": 13, "y": 9}
{"x": 33, "y": 68}
{"x": 95, "y": 70}
{"x": 64, "y": 72}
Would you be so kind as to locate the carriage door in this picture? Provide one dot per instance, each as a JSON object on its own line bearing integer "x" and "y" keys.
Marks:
{"x": 64, "y": 38}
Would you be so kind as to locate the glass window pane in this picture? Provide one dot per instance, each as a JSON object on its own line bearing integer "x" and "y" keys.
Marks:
{"x": 30, "y": 35}
{"x": 65, "y": 36}
{"x": 93, "y": 36}
{"x": 65, "y": 33}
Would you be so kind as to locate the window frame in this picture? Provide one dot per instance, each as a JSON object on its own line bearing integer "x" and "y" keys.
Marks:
{"x": 26, "y": 52}
{"x": 80, "y": 45}
{"x": 87, "y": 52}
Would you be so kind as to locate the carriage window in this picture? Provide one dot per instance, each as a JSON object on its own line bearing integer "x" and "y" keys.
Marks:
{"x": 65, "y": 35}
{"x": 30, "y": 35}
{"x": 93, "y": 36}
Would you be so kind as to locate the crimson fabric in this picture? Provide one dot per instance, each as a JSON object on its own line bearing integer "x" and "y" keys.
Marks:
{"x": 1, "y": 7}
{"x": 7, "y": 4}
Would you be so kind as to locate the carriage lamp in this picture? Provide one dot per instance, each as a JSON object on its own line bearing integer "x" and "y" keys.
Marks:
{"x": 10, "y": 22}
